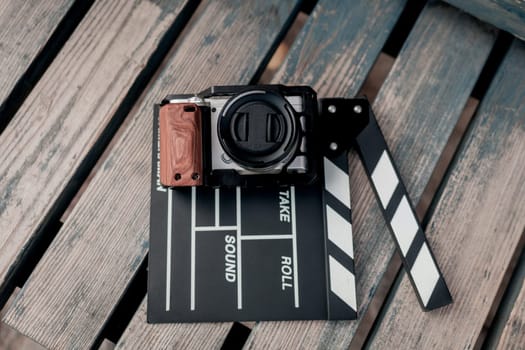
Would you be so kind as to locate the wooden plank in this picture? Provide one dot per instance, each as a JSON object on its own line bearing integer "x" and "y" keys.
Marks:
{"x": 85, "y": 271}
{"x": 26, "y": 27}
{"x": 67, "y": 112}
{"x": 508, "y": 15}
{"x": 10, "y": 338}
{"x": 417, "y": 108}
{"x": 142, "y": 335}
{"x": 338, "y": 45}
{"x": 478, "y": 226}
{"x": 513, "y": 336}
{"x": 509, "y": 304}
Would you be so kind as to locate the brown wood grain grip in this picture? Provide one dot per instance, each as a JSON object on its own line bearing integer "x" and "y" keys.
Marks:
{"x": 180, "y": 145}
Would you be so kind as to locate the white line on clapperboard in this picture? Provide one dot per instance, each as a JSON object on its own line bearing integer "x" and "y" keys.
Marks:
{"x": 217, "y": 207}
{"x": 294, "y": 247}
{"x": 239, "y": 245}
{"x": 237, "y": 229}
{"x": 168, "y": 251}
{"x": 192, "y": 263}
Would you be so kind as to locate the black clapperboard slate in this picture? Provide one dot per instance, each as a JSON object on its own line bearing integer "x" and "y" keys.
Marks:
{"x": 241, "y": 254}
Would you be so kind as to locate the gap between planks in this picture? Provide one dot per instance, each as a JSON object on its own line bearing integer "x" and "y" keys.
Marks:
{"x": 510, "y": 316}
{"x": 282, "y": 50}
{"x": 513, "y": 335}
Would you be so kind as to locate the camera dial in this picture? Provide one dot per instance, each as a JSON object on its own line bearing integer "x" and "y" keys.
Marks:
{"x": 258, "y": 130}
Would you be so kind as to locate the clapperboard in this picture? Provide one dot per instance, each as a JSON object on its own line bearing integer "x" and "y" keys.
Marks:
{"x": 251, "y": 254}
{"x": 234, "y": 254}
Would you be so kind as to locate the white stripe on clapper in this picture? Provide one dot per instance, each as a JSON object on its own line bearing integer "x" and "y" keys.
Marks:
{"x": 294, "y": 247}
{"x": 342, "y": 283}
{"x": 404, "y": 225}
{"x": 339, "y": 231}
{"x": 384, "y": 179}
{"x": 425, "y": 274}
{"x": 217, "y": 208}
{"x": 336, "y": 182}
{"x": 168, "y": 251}
{"x": 192, "y": 258}
{"x": 239, "y": 245}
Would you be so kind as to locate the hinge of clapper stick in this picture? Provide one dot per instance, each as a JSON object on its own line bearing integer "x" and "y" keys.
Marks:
{"x": 351, "y": 122}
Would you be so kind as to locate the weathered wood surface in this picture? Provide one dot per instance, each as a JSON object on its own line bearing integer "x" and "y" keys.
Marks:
{"x": 508, "y": 15}
{"x": 68, "y": 110}
{"x": 513, "y": 336}
{"x": 339, "y": 44}
{"x": 478, "y": 225}
{"x": 417, "y": 108}
{"x": 26, "y": 27}
{"x": 85, "y": 271}
{"x": 141, "y": 335}
{"x": 11, "y": 339}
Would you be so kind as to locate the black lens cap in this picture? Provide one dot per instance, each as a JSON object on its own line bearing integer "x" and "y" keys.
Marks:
{"x": 258, "y": 129}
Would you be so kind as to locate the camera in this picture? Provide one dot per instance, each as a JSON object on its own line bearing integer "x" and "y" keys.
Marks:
{"x": 263, "y": 135}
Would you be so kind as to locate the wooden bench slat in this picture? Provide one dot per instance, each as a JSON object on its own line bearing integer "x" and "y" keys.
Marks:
{"x": 513, "y": 336}
{"x": 339, "y": 44}
{"x": 26, "y": 28}
{"x": 477, "y": 226}
{"x": 508, "y": 15}
{"x": 67, "y": 111}
{"x": 141, "y": 335}
{"x": 417, "y": 108}
{"x": 85, "y": 271}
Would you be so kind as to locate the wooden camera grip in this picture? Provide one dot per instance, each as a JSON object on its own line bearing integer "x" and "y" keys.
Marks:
{"x": 180, "y": 145}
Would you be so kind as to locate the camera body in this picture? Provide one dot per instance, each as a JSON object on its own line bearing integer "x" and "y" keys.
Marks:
{"x": 249, "y": 136}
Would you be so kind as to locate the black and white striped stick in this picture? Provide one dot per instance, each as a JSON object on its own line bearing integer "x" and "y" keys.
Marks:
{"x": 342, "y": 303}
{"x": 398, "y": 211}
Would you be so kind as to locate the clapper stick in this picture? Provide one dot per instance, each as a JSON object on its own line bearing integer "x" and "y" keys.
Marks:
{"x": 339, "y": 244}
{"x": 356, "y": 115}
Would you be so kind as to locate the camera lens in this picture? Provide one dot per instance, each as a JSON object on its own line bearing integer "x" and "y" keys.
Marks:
{"x": 258, "y": 129}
